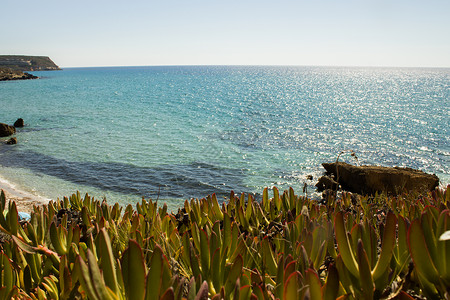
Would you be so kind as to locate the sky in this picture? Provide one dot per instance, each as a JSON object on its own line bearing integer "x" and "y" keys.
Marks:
{"x": 244, "y": 32}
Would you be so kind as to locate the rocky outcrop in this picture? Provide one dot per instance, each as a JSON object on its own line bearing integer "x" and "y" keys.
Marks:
{"x": 12, "y": 67}
{"x": 11, "y": 141}
{"x": 367, "y": 180}
{"x": 6, "y": 130}
{"x": 19, "y": 123}
{"x": 326, "y": 183}
{"x": 9, "y": 74}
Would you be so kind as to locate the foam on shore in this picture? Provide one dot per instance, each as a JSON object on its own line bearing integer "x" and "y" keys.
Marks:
{"x": 24, "y": 200}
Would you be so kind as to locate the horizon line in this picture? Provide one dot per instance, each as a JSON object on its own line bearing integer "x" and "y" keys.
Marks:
{"x": 256, "y": 65}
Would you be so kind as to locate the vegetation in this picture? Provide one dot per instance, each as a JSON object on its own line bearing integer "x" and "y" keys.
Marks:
{"x": 284, "y": 247}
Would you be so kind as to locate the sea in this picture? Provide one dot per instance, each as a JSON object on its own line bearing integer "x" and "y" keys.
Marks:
{"x": 172, "y": 133}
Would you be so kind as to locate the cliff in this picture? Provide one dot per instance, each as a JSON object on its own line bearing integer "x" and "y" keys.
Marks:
{"x": 27, "y": 63}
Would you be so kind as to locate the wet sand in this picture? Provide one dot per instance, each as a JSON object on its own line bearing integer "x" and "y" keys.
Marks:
{"x": 24, "y": 200}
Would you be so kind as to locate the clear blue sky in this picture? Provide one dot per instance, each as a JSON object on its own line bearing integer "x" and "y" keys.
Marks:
{"x": 243, "y": 32}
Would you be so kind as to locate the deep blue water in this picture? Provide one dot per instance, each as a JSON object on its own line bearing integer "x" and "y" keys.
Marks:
{"x": 174, "y": 133}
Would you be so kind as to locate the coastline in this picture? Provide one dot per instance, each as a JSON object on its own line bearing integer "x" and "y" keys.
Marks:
{"x": 24, "y": 200}
{"x": 7, "y": 74}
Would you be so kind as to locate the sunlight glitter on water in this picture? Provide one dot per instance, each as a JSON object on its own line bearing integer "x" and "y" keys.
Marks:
{"x": 188, "y": 131}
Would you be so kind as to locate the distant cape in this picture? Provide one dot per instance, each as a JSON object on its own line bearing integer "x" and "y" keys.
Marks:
{"x": 12, "y": 67}
{"x": 27, "y": 63}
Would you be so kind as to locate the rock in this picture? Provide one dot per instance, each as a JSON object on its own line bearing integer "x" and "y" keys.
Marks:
{"x": 367, "y": 180}
{"x": 326, "y": 183}
{"x": 11, "y": 141}
{"x": 6, "y": 130}
{"x": 327, "y": 195}
{"x": 19, "y": 123}
{"x": 9, "y": 74}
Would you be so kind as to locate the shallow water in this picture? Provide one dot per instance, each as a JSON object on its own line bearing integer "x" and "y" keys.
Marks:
{"x": 172, "y": 133}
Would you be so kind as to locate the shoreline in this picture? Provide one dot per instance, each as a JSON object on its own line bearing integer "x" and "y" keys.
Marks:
{"x": 7, "y": 74}
{"x": 24, "y": 200}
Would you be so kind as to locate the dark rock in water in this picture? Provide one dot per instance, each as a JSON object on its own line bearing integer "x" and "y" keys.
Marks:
{"x": 11, "y": 141}
{"x": 326, "y": 183}
{"x": 19, "y": 123}
{"x": 367, "y": 180}
{"x": 9, "y": 74}
{"x": 6, "y": 130}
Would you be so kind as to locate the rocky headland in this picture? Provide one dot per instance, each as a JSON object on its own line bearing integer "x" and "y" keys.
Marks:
{"x": 27, "y": 63}
{"x": 13, "y": 67}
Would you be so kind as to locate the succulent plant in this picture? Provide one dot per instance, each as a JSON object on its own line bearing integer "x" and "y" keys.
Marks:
{"x": 282, "y": 247}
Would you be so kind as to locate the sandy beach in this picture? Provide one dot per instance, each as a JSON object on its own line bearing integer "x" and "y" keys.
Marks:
{"x": 23, "y": 199}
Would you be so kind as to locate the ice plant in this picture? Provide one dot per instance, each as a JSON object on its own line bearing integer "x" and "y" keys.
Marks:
{"x": 282, "y": 247}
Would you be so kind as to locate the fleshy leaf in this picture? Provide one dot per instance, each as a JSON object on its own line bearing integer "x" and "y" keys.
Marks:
{"x": 107, "y": 261}
{"x": 331, "y": 287}
{"x": 344, "y": 244}
{"x": 387, "y": 247}
{"x": 420, "y": 254}
{"x": 292, "y": 286}
{"x": 366, "y": 279}
{"x": 133, "y": 271}
{"x": 315, "y": 287}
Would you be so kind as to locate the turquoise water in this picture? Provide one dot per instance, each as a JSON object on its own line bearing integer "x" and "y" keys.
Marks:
{"x": 172, "y": 133}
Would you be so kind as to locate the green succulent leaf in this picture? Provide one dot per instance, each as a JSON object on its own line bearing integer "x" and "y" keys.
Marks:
{"x": 12, "y": 218}
{"x": 8, "y": 273}
{"x": 86, "y": 283}
{"x": 344, "y": 244}
{"x": 234, "y": 274}
{"x": 134, "y": 271}
{"x": 2, "y": 201}
{"x": 315, "y": 287}
{"x": 443, "y": 246}
{"x": 217, "y": 270}
{"x": 331, "y": 287}
{"x": 265, "y": 200}
{"x": 216, "y": 208}
{"x": 227, "y": 234}
{"x": 58, "y": 240}
{"x": 387, "y": 247}
{"x": 24, "y": 246}
{"x": 365, "y": 272}
{"x": 107, "y": 262}
{"x": 290, "y": 268}
{"x": 51, "y": 287}
{"x": 268, "y": 257}
{"x": 244, "y": 293}
{"x": 420, "y": 254}
{"x": 204, "y": 253}
{"x": 292, "y": 286}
